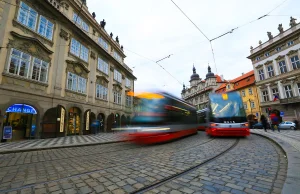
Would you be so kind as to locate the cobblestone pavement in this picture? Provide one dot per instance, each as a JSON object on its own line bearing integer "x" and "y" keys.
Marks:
{"x": 61, "y": 141}
{"x": 124, "y": 167}
{"x": 290, "y": 136}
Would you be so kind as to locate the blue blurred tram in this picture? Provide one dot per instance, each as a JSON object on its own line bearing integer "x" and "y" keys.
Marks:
{"x": 224, "y": 116}
{"x": 161, "y": 117}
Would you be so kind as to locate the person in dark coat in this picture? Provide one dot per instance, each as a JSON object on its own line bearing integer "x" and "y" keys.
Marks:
{"x": 297, "y": 124}
{"x": 264, "y": 122}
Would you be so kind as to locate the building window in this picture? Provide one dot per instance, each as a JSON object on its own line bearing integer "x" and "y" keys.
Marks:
{"x": 76, "y": 83}
{"x": 117, "y": 56}
{"x": 101, "y": 92}
{"x": 45, "y": 28}
{"x": 257, "y": 58}
{"x": 79, "y": 50}
{"x": 298, "y": 84}
{"x": 128, "y": 101}
{"x": 103, "y": 43}
{"x": 275, "y": 92}
{"x": 117, "y": 76}
{"x": 243, "y": 93}
{"x": 27, "y": 16}
{"x": 252, "y": 104}
{"x": 267, "y": 54}
{"x": 288, "y": 91}
{"x": 295, "y": 62}
{"x": 228, "y": 86}
{"x": 261, "y": 74}
{"x": 245, "y": 106}
{"x": 117, "y": 97}
{"x": 102, "y": 65}
{"x": 270, "y": 71}
{"x": 127, "y": 83}
{"x": 24, "y": 65}
{"x": 282, "y": 67}
{"x": 290, "y": 43}
{"x": 265, "y": 96}
{"x": 80, "y": 22}
{"x": 250, "y": 91}
{"x": 278, "y": 49}
{"x": 39, "y": 70}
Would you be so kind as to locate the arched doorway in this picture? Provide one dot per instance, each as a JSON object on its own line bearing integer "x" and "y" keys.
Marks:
{"x": 101, "y": 118}
{"x": 110, "y": 122}
{"x": 19, "y": 122}
{"x": 74, "y": 121}
{"x": 123, "y": 121}
{"x": 117, "y": 120}
{"x": 128, "y": 120}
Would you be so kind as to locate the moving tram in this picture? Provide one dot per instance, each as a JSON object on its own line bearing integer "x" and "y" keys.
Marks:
{"x": 225, "y": 116}
{"x": 161, "y": 117}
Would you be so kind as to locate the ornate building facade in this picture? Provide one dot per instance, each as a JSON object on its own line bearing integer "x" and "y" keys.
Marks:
{"x": 61, "y": 72}
{"x": 197, "y": 93}
{"x": 277, "y": 71}
{"x": 245, "y": 85}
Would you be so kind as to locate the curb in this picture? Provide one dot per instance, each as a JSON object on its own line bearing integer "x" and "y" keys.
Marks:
{"x": 57, "y": 147}
{"x": 291, "y": 184}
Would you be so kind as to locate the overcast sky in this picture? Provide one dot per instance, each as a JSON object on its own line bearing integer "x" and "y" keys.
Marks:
{"x": 156, "y": 28}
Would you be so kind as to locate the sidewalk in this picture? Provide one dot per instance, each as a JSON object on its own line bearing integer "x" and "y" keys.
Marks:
{"x": 60, "y": 142}
{"x": 290, "y": 142}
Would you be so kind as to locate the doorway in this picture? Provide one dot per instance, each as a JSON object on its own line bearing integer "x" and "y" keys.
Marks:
{"x": 74, "y": 121}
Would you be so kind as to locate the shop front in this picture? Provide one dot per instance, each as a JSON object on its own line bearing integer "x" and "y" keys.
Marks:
{"x": 19, "y": 123}
{"x": 74, "y": 121}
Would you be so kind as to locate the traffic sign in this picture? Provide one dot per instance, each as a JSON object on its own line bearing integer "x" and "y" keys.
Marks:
{"x": 281, "y": 113}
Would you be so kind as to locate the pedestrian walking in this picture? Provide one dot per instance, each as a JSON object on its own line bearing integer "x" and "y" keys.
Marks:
{"x": 264, "y": 122}
{"x": 297, "y": 124}
{"x": 275, "y": 121}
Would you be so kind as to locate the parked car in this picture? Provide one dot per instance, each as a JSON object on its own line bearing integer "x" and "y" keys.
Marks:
{"x": 259, "y": 125}
{"x": 287, "y": 125}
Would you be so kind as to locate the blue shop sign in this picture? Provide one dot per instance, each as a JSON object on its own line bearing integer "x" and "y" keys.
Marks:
{"x": 7, "y": 132}
{"x": 22, "y": 108}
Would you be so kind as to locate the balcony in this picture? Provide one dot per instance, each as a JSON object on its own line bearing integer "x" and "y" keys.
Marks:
{"x": 290, "y": 100}
{"x": 269, "y": 103}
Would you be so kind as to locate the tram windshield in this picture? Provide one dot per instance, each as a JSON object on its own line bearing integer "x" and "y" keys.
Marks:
{"x": 227, "y": 107}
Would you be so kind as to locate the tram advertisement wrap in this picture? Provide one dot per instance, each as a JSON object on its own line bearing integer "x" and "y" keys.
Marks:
{"x": 7, "y": 132}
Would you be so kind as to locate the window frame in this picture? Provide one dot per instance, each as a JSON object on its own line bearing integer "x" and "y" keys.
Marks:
{"x": 80, "y": 22}
{"x": 127, "y": 82}
{"x": 275, "y": 93}
{"x": 28, "y": 13}
{"x": 102, "y": 91}
{"x": 117, "y": 76}
{"x": 30, "y": 66}
{"x": 243, "y": 93}
{"x": 82, "y": 52}
{"x": 283, "y": 67}
{"x": 245, "y": 105}
{"x": 265, "y": 96}
{"x": 128, "y": 101}
{"x": 46, "y": 27}
{"x": 261, "y": 74}
{"x": 250, "y": 91}
{"x": 290, "y": 43}
{"x": 80, "y": 81}
{"x": 270, "y": 72}
{"x": 252, "y": 104}
{"x": 103, "y": 43}
{"x": 117, "y": 97}
{"x": 103, "y": 65}
{"x": 289, "y": 91}
{"x": 295, "y": 63}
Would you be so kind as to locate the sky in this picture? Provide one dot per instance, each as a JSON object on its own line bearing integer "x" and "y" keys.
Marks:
{"x": 151, "y": 30}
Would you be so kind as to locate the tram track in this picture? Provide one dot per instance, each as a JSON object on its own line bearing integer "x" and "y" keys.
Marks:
{"x": 193, "y": 168}
{"x": 116, "y": 147}
{"x": 100, "y": 170}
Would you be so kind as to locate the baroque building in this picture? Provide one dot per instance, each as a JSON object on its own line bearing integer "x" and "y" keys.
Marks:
{"x": 277, "y": 72}
{"x": 245, "y": 85}
{"x": 197, "y": 93}
{"x": 61, "y": 73}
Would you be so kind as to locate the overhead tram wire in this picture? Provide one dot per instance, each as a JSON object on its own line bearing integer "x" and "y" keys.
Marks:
{"x": 212, "y": 50}
{"x": 231, "y": 31}
{"x": 156, "y": 62}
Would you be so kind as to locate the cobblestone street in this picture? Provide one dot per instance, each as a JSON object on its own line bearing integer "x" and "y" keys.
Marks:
{"x": 247, "y": 165}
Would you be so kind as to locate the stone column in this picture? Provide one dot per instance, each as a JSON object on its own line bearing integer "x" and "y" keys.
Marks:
{"x": 259, "y": 94}
{"x": 294, "y": 88}
{"x": 271, "y": 97}
{"x": 288, "y": 63}
{"x": 280, "y": 90}
{"x": 275, "y": 67}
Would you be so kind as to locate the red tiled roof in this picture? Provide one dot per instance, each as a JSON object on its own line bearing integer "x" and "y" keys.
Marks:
{"x": 239, "y": 82}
